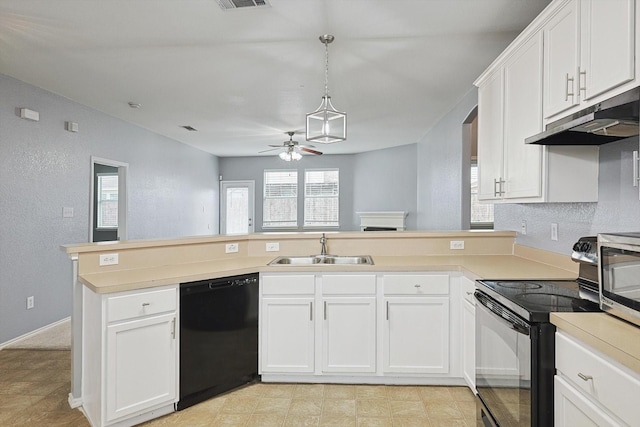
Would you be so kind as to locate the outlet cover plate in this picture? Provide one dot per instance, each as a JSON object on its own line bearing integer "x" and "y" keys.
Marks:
{"x": 231, "y": 248}
{"x": 109, "y": 259}
{"x": 456, "y": 244}
{"x": 272, "y": 246}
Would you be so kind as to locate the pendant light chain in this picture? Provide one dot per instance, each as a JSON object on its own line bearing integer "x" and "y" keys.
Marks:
{"x": 326, "y": 69}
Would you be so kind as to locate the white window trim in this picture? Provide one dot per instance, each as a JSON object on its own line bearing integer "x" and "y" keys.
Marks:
{"x": 319, "y": 227}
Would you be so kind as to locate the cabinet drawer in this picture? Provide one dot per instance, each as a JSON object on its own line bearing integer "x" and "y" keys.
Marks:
{"x": 613, "y": 386}
{"x": 140, "y": 304}
{"x": 416, "y": 284}
{"x": 295, "y": 284}
{"x": 341, "y": 284}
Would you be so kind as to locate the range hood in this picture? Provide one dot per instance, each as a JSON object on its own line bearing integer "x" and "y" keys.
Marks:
{"x": 608, "y": 121}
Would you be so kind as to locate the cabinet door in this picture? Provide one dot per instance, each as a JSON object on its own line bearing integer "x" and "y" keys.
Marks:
{"x": 349, "y": 334}
{"x": 607, "y": 45}
{"x": 469, "y": 343}
{"x": 416, "y": 335}
{"x": 490, "y": 136}
{"x": 523, "y": 118}
{"x": 141, "y": 366}
{"x": 572, "y": 409}
{"x": 561, "y": 50}
{"x": 287, "y": 336}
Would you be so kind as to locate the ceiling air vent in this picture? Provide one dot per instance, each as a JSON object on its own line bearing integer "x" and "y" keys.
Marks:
{"x": 236, "y": 4}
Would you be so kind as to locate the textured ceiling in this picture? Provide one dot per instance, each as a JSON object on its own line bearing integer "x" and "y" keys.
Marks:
{"x": 243, "y": 77}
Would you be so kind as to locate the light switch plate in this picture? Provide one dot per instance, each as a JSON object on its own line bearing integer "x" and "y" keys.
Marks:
{"x": 67, "y": 212}
{"x": 231, "y": 248}
{"x": 109, "y": 259}
{"x": 554, "y": 231}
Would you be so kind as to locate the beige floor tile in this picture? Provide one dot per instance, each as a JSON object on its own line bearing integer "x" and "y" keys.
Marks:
{"x": 411, "y": 422}
{"x": 462, "y": 394}
{"x": 265, "y": 420}
{"x": 251, "y": 390}
{"x": 14, "y": 403}
{"x": 309, "y": 391}
{"x": 339, "y": 391}
{"x": 372, "y": 408}
{"x": 371, "y": 392}
{"x": 468, "y": 409}
{"x": 213, "y": 405}
{"x": 278, "y": 390}
{"x": 301, "y": 421}
{"x": 374, "y": 422}
{"x": 235, "y": 420}
{"x": 338, "y": 408}
{"x": 448, "y": 423}
{"x": 306, "y": 407}
{"x": 403, "y": 393}
{"x": 337, "y": 421}
{"x": 435, "y": 393}
{"x": 239, "y": 405}
{"x": 403, "y": 408}
{"x": 442, "y": 410}
{"x": 273, "y": 405}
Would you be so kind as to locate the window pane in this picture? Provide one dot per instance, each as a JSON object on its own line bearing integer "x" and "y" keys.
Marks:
{"x": 280, "y": 207}
{"x": 107, "y": 201}
{"x": 481, "y": 213}
{"x": 321, "y": 196}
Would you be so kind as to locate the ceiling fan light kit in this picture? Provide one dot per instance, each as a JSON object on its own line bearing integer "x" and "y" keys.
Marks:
{"x": 326, "y": 125}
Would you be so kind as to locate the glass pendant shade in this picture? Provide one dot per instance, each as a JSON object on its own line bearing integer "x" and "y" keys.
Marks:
{"x": 326, "y": 125}
{"x": 290, "y": 155}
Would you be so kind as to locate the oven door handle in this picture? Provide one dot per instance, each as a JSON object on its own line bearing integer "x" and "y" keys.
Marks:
{"x": 503, "y": 314}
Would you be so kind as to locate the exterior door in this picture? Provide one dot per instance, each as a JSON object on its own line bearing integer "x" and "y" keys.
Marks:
{"x": 237, "y": 201}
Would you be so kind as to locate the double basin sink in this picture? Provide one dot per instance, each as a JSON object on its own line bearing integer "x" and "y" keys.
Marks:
{"x": 322, "y": 260}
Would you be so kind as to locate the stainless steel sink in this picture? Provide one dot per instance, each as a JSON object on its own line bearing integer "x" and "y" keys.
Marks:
{"x": 323, "y": 260}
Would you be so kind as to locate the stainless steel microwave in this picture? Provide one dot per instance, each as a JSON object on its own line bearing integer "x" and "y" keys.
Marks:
{"x": 619, "y": 275}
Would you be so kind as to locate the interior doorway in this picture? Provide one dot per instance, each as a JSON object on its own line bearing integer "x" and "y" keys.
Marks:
{"x": 237, "y": 207}
{"x": 108, "y": 207}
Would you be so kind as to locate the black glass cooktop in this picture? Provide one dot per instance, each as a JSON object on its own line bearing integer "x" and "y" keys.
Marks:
{"x": 535, "y": 299}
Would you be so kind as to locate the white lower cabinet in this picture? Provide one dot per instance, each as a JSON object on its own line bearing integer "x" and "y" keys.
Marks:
{"x": 287, "y": 324}
{"x": 591, "y": 388}
{"x": 131, "y": 339}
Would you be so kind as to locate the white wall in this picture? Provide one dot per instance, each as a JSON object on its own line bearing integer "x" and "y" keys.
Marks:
{"x": 45, "y": 168}
{"x": 443, "y": 171}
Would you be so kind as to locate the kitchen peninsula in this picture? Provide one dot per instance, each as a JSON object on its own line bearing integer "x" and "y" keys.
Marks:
{"x": 124, "y": 291}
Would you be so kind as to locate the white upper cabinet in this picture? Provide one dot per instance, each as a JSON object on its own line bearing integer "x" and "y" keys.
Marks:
{"x": 490, "y": 136}
{"x": 561, "y": 38}
{"x": 589, "y": 49}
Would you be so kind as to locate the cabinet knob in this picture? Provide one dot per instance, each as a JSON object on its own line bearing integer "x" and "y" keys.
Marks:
{"x": 416, "y": 286}
{"x": 144, "y": 304}
{"x": 584, "y": 377}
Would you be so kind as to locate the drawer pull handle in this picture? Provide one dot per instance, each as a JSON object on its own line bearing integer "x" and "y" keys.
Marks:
{"x": 469, "y": 293}
{"x": 584, "y": 377}
{"x": 416, "y": 286}
{"x": 144, "y": 304}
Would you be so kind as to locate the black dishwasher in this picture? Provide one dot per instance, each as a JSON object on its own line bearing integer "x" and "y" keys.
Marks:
{"x": 218, "y": 336}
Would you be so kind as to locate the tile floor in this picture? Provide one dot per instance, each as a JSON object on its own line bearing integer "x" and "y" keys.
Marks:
{"x": 34, "y": 385}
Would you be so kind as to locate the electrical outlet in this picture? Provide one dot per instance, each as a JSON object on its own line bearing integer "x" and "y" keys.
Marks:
{"x": 456, "y": 244}
{"x": 272, "y": 247}
{"x": 108, "y": 259}
{"x": 554, "y": 231}
{"x": 523, "y": 228}
{"x": 231, "y": 248}
{"x": 31, "y": 302}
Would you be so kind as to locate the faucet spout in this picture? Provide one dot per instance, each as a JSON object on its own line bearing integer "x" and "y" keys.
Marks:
{"x": 323, "y": 242}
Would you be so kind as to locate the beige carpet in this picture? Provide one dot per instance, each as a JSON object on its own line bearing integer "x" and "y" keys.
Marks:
{"x": 57, "y": 337}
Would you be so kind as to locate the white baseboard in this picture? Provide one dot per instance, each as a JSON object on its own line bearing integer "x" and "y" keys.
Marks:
{"x": 30, "y": 334}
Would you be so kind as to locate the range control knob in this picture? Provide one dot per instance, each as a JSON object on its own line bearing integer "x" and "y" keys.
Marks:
{"x": 585, "y": 246}
{"x": 576, "y": 247}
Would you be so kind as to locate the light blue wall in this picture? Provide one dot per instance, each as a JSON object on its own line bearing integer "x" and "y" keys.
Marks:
{"x": 45, "y": 168}
{"x": 382, "y": 180}
{"x": 443, "y": 171}
{"x": 617, "y": 209}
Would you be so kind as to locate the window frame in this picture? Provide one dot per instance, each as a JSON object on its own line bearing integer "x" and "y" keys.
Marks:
{"x": 486, "y": 225}
{"x": 265, "y": 226}
{"x": 100, "y": 201}
{"x": 304, "y": 197}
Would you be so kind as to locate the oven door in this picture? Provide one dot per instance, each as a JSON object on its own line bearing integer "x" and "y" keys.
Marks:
{"x": 503, "y": 364}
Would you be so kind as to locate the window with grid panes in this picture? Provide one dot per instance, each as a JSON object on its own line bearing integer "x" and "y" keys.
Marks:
{"x": 280, "y": 204}
{"x": 321, "y": 193}
{"x": 107, "y": 201}
{"x": 481, "y": 213}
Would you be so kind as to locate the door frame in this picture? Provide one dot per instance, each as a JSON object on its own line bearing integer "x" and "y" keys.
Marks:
{"x": 251, "y": 184}
{"x": 123, "y": 171}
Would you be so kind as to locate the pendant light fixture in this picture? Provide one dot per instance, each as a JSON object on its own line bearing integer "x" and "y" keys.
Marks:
{"x": 326, "y": 125}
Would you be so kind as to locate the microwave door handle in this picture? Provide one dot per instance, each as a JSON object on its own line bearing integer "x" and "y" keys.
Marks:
{"x": 519, "y": 328}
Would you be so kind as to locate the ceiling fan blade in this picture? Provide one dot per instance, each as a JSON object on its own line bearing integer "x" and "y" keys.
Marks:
{"x": 278, "y": 146}
{"x": 309, "y": 150}
{"x": 306, "y": 146}
{"x": 270, "y": 149}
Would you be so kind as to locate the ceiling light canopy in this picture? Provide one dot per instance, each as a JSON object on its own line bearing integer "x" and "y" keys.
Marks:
{"x": 326, "y": 125}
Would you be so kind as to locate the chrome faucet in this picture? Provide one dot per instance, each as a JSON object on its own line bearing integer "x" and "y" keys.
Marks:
{"x": 323, "y": 242}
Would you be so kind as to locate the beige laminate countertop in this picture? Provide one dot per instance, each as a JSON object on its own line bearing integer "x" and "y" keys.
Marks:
{"x": 474, "y": 266}
{"x": 614, "y": 337}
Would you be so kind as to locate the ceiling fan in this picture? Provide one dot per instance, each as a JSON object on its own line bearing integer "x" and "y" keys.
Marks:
{"x": 291, "y": 149}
